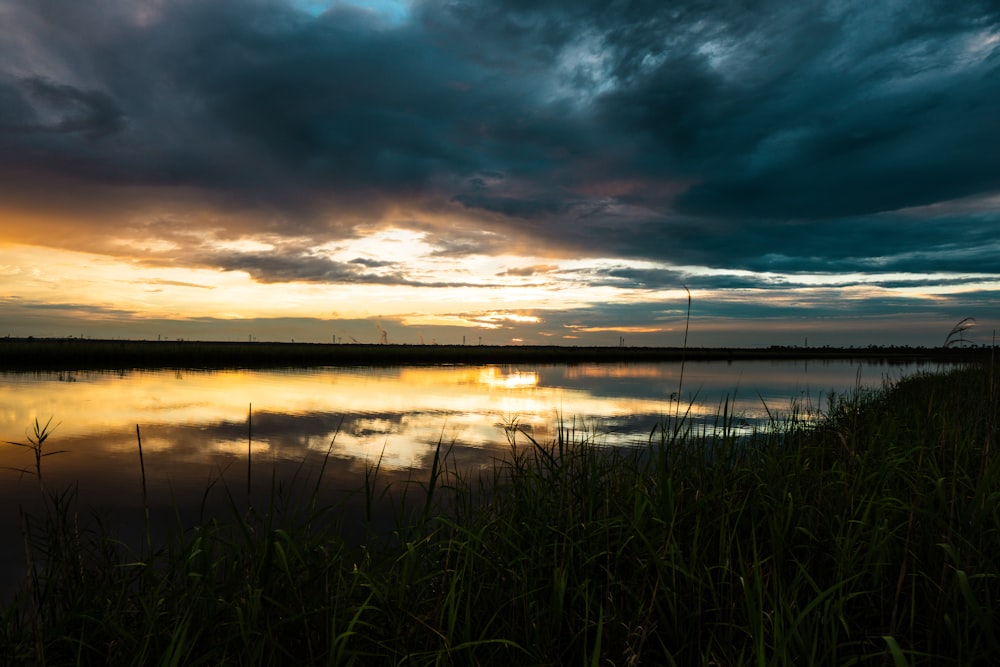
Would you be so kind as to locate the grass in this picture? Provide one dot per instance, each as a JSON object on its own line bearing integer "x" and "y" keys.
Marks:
{"x": 36, "y": 443}
{"x": 870, "y": 538}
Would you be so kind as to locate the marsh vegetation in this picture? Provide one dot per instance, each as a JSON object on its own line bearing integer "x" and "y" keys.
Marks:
{"x": 871, "y": 537}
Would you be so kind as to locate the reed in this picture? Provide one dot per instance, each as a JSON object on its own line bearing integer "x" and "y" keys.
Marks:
{"x": 870, "y": 537}
{"x": 36, "y": 444}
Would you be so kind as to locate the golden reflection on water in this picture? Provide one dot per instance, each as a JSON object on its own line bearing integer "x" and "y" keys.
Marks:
{"x": 399, "y": 414}
{"x": 653, "y": 371}
{"x": 492, "y": 376}
{"x": 396, "y": 414}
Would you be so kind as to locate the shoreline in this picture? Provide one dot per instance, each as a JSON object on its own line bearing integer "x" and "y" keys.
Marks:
{"x": 43, "y": 354}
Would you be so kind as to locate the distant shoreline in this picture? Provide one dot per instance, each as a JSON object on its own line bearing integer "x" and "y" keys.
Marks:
{"x": 28, "y": 354}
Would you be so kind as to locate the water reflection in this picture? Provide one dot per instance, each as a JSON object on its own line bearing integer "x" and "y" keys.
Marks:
{"x": 200, "y": 426}
{"x": 397, "y": 413}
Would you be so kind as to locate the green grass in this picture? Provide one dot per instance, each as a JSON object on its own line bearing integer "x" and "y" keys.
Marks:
{"x": 871, "y": 538}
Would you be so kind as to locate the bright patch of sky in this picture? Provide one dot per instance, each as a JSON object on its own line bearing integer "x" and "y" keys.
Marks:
{"x": 393, "y": 12}
{"x": 245, "y": 245}
{"x": 509, "y": 317}
{"x": 388, "y": 245}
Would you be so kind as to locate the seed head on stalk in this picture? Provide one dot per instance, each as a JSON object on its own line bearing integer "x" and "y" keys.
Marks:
{"x": 956, "y": 335}
{"x": 36, "y": 442}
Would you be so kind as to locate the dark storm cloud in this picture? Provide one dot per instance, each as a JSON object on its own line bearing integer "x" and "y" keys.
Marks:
{"x": 638, "y": 278}
{"x": 371, "y": 263}
{"x": 528, "y": 271}
{"x": 794, "y": 110}
{"x": 274, "y": 267}
{"x": 764, "y": 135}
{"x": 780, "y": 108}
{"x": 516, "y": 207}
{"x": 248, "y": 98}
{"x": 865, "y": 243}
{"x": 297, "y": 264}
{"x": 92, "y": 113}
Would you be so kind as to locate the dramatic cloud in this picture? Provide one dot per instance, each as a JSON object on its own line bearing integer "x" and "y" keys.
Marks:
{"x": 629, "y": 148}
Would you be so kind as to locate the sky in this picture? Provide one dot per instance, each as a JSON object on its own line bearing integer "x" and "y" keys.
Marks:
{"x": 501, "y": 171}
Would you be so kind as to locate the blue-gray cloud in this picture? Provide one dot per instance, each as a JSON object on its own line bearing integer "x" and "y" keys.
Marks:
{"x": 765, "y": 136}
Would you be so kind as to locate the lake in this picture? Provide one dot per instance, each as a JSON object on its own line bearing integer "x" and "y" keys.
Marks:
{"x": 202, "y": 427}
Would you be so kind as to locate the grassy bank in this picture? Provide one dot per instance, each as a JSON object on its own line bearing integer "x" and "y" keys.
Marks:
{"x": 873, "y": 538}
{"x": 36, "y": 354}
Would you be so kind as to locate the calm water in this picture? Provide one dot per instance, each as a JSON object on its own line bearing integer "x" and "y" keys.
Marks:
{"x": 194, "y": 425}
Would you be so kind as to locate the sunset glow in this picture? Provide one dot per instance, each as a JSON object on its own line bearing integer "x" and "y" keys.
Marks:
{"x": 424, "y": 172}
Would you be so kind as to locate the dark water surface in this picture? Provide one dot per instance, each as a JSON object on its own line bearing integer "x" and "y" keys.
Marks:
{"x": 195, "y": 429}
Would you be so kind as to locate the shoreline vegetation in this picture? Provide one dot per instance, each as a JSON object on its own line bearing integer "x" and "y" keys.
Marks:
{"x": 870, "y": 537}
{"x": 17, "y": 354}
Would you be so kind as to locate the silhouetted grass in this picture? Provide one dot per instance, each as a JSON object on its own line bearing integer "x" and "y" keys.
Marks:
{"x": 870, "y": 538}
